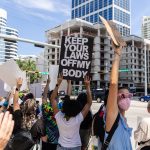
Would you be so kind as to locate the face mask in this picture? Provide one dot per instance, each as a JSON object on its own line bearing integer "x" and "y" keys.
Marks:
{"x": 124, "y": 103}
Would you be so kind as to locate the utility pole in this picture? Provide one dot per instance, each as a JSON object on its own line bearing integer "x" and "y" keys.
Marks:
{"x": 145, "y": 66}
{"x": 36, "y": 43}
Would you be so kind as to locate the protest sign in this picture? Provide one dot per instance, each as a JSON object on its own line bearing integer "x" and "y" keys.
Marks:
{"x": 113, "y": 32}
{"x": 53, "y": 73}
{"x": 75, "y": 57}
{"x": 9, "y": 72}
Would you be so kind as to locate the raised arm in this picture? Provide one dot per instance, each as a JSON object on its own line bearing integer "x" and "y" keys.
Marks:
{"x": 54, "y": 95}
{"x": 44, "y": 98}
{"x": 69, "y": 88}
{"x": 112, "y": 106}
{"x": 86, "y": 108}
{"x": 16, "y": 105}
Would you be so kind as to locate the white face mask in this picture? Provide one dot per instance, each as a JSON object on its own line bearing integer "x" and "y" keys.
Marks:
{"x": 2, "y": 102}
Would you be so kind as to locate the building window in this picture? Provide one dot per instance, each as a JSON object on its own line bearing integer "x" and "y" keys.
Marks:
{"x": 105, "y": 14}
{"x": 72, "y": 15}
{"x": 76, "y": 2}
{"x": 79, "y": 11}
{"x": 96, "y": 5}
{"x": 53, "y": 62}
{"x": 53, "y": 56}
{"x": 76, "y": 13}
{"x": 72, "y": 3}
{"x": 83, "y": 10}
{"x": 87, "y": 18}
{"x": 53, "y": 50}
{"x": 100, "y": 4}
{"x": 91, "y": 18}
{"x": 96, "y": 18}
{"x": 110, "y": 13}
{"x": 91, "y": 6}
{"x": 48, "y": 57}
{"x": 79, "y": 2}
{"x": 105, "y": 3}
{"x": 87, "y": 8}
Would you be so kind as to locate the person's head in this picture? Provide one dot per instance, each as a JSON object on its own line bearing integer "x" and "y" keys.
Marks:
{"x": 71, "y": 108}
{"x": 148, "y": 106}
{"x": 124, "y": 98}
{"x": 29, "y": 107}
{"x": 82, "y": 99}
{"x": 65, "y": 98}
{"x": 28, "y": 96}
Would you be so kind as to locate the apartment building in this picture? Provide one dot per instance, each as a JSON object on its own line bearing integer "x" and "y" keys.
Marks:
{"x": 132, "y": 57}
{"x": 119, "y": 11}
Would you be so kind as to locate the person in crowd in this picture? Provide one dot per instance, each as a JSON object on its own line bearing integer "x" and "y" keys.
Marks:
{"x": 142, "y": 134}
{"x": 70, "y": 118}
{"x": 26, "y": 120}
{"x": 98, "y": 123}
{"x": 85, "y": 127}
{"x": 49, "y": 120}
{"x": 6, "y": 128}
{"x": 2, "y": 101}
{"x": 28, "y": 96}
{"x": 117, "y": 104}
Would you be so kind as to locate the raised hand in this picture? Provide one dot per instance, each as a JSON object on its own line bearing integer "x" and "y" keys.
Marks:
{"x": 19, "y": 83}
{"x": 6, "y": 128}
{"x": 87, "y": 81}
{"x": 118, "y": 50}
{"x": 48, "y": 80}
{"x": 59, "y": 79}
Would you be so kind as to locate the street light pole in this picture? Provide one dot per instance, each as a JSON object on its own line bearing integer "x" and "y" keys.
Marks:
{"x": 145, "y": 64}
{"x": 36, "y": 43}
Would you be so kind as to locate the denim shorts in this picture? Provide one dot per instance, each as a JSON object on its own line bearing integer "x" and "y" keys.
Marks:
{"x": 59, "y": 147}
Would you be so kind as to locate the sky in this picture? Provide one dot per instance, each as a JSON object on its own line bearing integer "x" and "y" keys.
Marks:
{"x": 33, "y": 17}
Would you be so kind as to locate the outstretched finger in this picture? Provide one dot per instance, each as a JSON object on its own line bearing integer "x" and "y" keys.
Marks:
{"x": 1, "y": 118}
{"x": 9, "y": 123}
{"x": 4, "y": 122}
{"x": 10, "y": 130}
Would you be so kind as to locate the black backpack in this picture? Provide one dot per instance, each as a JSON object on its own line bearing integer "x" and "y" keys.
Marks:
{"x": 99, "y": 124}
{"x": 21, "y": 140}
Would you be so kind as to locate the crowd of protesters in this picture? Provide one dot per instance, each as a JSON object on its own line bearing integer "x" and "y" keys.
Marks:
{"x": 67, "y": 125}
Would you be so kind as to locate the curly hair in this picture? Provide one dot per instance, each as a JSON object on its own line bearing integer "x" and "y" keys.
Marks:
{"x": 71, "y": 108}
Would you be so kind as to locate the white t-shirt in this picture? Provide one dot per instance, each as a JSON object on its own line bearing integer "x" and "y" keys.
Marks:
{"x": 69, "y": 130}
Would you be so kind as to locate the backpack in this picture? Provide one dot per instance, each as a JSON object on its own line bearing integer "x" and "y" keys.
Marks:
{"x": 99, "y": 124}
{"x": 21, "y": 140}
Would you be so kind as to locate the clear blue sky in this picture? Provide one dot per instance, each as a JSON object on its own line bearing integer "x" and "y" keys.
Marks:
{"x": 33, "y": 17}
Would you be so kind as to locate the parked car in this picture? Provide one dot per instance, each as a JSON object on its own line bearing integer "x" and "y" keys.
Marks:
{"x": 98, "y": 94}
{"x": 144, "y": 98}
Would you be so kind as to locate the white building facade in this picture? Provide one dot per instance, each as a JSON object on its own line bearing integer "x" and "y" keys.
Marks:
{"x": 8, "y": 48}
{"x": 132, "y": 57}
{"x": 146, "y": 27}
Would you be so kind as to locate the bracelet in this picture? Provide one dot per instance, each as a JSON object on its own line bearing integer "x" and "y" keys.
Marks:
{"x": 117, "y": 54}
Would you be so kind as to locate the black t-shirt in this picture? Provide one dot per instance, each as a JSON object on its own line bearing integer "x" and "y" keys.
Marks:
{"x": 87, "y": 122}
{"x": 18, "y": 118}
{"x": 37, "y": 130}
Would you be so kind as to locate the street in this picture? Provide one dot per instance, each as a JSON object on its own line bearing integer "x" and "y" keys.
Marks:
{"x": 137, "y": 110}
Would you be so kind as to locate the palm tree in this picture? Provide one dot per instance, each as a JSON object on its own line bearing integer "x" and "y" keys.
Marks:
{"x": 30, "y": 67}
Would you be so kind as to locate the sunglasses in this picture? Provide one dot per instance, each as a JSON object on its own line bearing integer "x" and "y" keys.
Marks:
{"x": 125, "y": 95}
